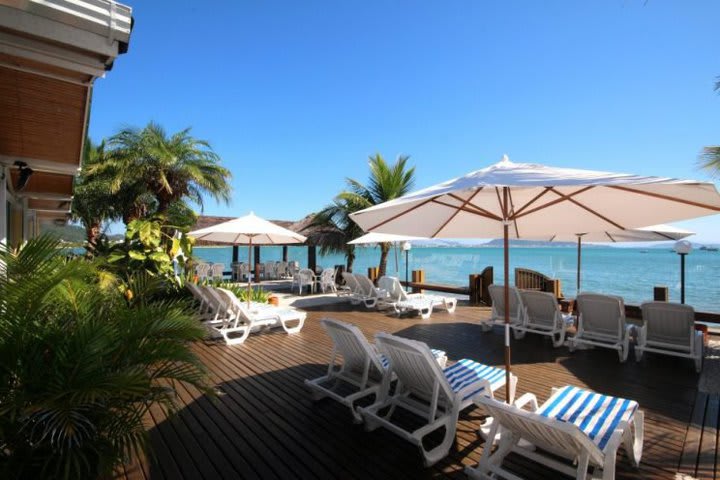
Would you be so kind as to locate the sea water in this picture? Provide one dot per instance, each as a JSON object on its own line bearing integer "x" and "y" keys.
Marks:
{"x": 629, "y": 272}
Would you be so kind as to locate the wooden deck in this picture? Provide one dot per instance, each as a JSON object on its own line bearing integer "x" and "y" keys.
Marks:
{"x": 264, "y": 424}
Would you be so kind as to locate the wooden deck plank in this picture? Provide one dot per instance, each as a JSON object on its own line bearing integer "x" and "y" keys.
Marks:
{"x": 265, "y": 425}
{"x": 708, "y": 443}
{"x": 691, "y": 447}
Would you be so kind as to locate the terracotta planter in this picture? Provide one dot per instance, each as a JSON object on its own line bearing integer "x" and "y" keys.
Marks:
{"x": 274, "y": 301}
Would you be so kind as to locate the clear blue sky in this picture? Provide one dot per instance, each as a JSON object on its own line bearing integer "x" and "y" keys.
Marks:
{"x": 294, "y": 95}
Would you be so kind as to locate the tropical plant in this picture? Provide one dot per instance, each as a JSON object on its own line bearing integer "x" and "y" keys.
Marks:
{"x": 386, "y": 182}
{"x": 92, "y": 202}
{"x": 257, "y": 294}
{"x": 147, "y": 248}
{"x": 332, "y": 228}
{"x": 159, "y": 170}
{"x": 710, "y": 155}
{"x": 80, "y": 366}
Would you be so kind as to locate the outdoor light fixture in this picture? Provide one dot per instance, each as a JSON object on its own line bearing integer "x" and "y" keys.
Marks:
{"x": 682, "y": 248}
{"x": 24, "y": 173}
{"x": 406, "y": 246}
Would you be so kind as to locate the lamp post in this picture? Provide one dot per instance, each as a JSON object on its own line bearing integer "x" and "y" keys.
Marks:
{"x": 682, "y": 248}
{"x": 406, "y": 246}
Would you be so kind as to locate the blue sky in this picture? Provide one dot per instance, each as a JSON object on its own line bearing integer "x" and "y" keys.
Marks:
{"x": 294, "y": 95}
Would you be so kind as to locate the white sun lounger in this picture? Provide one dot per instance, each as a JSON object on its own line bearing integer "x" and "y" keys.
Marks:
{"x": 369, "y": 295}
{"x": 352, "y": 290}
{"x": 583, "y": 427}
{"x": 669, "y": 329}
{"x": 601, "y": 322}
{"x": 497, "y": 315}
{"x": 398, "y": 300}
{"x": 543, "y": 316}
{"x": 434, "y": 394}
{"x": 238, "y": 326}
{"x": 362, "y": 367}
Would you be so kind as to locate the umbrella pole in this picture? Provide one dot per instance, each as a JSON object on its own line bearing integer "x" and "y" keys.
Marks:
{"x": 506, "y": 261}
{"x": 396, "y": 261}
{"x": 250, "y": 272}
{"x": 579, "y": 254}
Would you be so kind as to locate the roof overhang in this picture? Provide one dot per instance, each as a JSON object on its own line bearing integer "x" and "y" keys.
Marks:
{"x": 51, "y": 51}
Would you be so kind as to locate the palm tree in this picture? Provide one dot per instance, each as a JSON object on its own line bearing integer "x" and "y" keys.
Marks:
{"x": 333, "y": 228}
{"x": 710, "y": 156}
{"x": 158, "y": 170}
{"x": 92, "y": 202}
{"x": 386, "y": 182}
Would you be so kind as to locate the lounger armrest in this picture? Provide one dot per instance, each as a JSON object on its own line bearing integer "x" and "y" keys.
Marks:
{"x": 525, "y": 399}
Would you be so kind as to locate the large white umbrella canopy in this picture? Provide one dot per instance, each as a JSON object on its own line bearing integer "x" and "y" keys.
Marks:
{"x": 653, "y": 233}
{"x": 248, "y": 230}
{"x": 521, "y": 200}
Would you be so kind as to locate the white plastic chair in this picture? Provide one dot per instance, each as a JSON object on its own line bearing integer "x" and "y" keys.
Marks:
{"x": 270, "y": 270}
{"x": 543, "y": 316}
{"x": 202, "y": 270}
{"x": 304, "y": 278}
{"x": 217, "y": 271}
{"x": 362, "y": 367}
{"x": 584, "y": 427}
{"x": 601, "y": 322}
{"x": 497, "y": 315}
{"x": 669, "y": 329}
{"x": 327, "y": 281}
{"x": 433, "y": 394}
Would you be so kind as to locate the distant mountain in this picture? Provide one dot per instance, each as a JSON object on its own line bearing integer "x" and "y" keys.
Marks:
{"x": 73, "y": 233}
{"x": 498, "y": 242}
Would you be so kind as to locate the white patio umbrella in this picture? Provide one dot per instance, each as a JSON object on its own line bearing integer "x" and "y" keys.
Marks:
{"x": 512, "y": 200}
{"x": 653, "y": 233}
{"x": 248, "y": 230}
{"x": 374, "y": 237}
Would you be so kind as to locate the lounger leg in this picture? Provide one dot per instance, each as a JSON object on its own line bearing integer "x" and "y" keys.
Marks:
{"x": 433, "y": 456}
{"x": 450, "y": 306}
{"x": 699, "y": 351}
{"x": 518, "y": 333}
{"x": 561, "y": 337}
{"x": 492, "y": 460}
{"x": 235, "y": 340}
{"x": 295, "y": 329}
{"x": 634, "y": 436}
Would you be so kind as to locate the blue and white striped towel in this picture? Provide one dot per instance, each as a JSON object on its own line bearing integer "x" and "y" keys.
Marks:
{"x": 465, "y": 372}
{"x": 385, "y": 362}
{"x": 594, "y": 414}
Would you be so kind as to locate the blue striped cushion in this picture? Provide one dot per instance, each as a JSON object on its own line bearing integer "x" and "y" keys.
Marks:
{"x": 466, "y": 372}
{"x": 385, "y": 362}
{"x": 594, "y": 414}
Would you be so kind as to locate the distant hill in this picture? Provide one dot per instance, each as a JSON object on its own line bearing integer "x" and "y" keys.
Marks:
{"x": 72, "y": 233}
{"x": 498, "y": 242}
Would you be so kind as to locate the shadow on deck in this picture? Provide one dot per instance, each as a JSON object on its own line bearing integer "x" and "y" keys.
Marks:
{"x": 263, "y": 424}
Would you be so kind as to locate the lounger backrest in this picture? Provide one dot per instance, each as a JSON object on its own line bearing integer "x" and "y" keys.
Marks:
{"x": 414, "y": 365}
{"x": 195, "y": 291}
{"x": 351, "y": 282}
{"x": 392, "y": 286}
{"x": 351, "y": 343}
{"x": 561, "y": 438}
{"x": 366, "y": 286}
{"x": 497, "y": 294}
{"x": 671, "y": 323}
{"x": 541, "y": 307}
{"x": 604, "y": 314}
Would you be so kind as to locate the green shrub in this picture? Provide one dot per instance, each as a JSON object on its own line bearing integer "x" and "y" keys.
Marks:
{"x": 81, "y": 362}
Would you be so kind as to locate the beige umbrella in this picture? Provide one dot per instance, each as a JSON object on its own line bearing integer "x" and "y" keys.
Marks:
{"x": 248, "y": 230}
{"x": 512, "y": 200}
{"x": 653, "y": 233}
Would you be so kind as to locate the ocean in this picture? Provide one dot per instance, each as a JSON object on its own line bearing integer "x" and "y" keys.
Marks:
{"x": 629, "y": 272}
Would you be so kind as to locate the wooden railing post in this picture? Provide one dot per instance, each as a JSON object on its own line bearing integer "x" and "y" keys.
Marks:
{"x": 339, "y": 269}
{"x": 373, "y": 273}
{"x": 475, "y": 288}
{"x": 660, "y": 293}
{"x": 488, "y": 278}
{"x": 418, "y": 276}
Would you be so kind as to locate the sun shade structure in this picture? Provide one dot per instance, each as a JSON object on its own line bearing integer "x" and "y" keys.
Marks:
{"x": 522, "y": 200}
{"x": 248, "y": 230}
{"x": 653, "y": 233}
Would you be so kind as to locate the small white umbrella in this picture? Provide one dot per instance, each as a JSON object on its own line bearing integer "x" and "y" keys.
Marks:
{"x": 248, "y": 230}
{"x": 512, "y": 200}
{"x": 374, "y": 237}
{"x": 653, "y": 233}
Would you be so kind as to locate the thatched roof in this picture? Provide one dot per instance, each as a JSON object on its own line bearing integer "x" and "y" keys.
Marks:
{"x": 205, "y": 221}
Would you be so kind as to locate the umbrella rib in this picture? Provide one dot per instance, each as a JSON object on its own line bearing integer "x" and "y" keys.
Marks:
{"x": 585, "y": 207}
{"x": 512, "y": 209}
{"x": 401, "y": 214}
{"x": 457, "y": 210}
{"x": 470, "y": 204}
{"x": 562, "y": 198}
{"x": 666, "y": 197}
{"x": 503, "y": 208}
{"x": 468, "y": 210}
{"x": 533, "y": 200}
{"x": 610, "y": 237}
